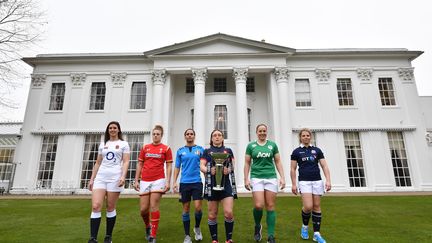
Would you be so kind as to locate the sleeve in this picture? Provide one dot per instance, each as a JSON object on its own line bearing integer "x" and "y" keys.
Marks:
{"x": 231, "y": 153}
{"x": 294, "y": 155}
{"x": 249, "y": 149}
{"x": 168, "y": 155}
{"x": 320, "y": 154}
{"x": 101, "y": 146}
{"x": 178, "y": 159}
{"x": 126, "y": 148}
{"x": 275, "y": 148}
{"x": 205, "y": 156}
{"x": 141, "y": 156}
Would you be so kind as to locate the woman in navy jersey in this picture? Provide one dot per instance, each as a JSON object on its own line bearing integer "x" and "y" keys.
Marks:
{"x": 107, "y": 179}
{"x": 307, "y": 157}
{"x": 214, "y": 197}
{"x": 191, "y": 186}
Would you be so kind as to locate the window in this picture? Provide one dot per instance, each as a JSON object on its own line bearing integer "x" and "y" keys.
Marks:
{"x": 6, "y": 165}
{"x": 46, "y": 162}
{"x": 91, "y": 147}
{"x": 220, "y": 85}
{"x": 138, "y": 96}
{"x": 190, "y": 86}
{"x": 192, "y": 118}
{"x": 97, "y": 96}
{"x": 345, "y": 93}
{"x": 249, "y": 123}
{"x": 220, "y": 119}
{"x": 302, "y": 92}
{"x": 354, "y": 159}
{"x": 385, "y": 86}
{"x": 57, "y": 97}
{"x": 135, "y": 141}
{"x": 250, "y": 84}
{"x": 399, "y": 159}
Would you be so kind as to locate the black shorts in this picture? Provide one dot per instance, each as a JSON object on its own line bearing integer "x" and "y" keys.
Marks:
{"x": 191, "y": 190}
{"x": 219, "y": 195}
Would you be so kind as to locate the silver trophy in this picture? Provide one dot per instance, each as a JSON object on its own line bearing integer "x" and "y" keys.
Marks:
{"x": 219, "y": 159}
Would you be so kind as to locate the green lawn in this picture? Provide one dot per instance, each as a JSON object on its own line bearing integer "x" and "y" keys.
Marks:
{"x": 345, "y": 219}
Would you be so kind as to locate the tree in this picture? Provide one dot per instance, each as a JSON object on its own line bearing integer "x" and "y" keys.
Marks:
{"x": 21, "y": 23}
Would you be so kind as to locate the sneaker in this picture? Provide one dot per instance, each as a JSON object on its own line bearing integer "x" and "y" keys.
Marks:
{"x": 92, "y": 240}
{"x": 271, "y": 239}
{"x": 187, "y": 239}
{"x": 108, "y": 239}
{"x": 318, "y": 238}
{"x": 229, "y": 241}
{"x": 304, "y": 233}
{"x": 152, "y": 240}
{"x": 147, "y": 233}
{"x": 215, "y": 241}
{"x": 198, "y": 234}
{"x": 257, "y": 234}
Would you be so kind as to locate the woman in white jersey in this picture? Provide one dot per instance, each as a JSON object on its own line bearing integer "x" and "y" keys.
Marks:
{"x": 107, "y": 179}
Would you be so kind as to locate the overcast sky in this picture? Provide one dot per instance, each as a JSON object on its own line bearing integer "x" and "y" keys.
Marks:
{"x": 91, "y": 26}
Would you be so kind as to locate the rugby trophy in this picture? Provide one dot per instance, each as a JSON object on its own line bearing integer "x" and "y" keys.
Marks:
{"x": 219, "y": 159}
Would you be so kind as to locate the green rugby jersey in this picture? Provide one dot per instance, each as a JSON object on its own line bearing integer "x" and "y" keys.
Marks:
{"x": 262, "y": 164}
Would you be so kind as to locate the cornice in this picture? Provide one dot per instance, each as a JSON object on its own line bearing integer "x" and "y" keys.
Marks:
{"x": 358, "y": 129}
{"x": 82, "y": 132}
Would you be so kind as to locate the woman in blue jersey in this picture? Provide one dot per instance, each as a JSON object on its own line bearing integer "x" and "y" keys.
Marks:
{"x": 107, "y": 179}
{"x": 310, "y": 185}
{"x": 214, "y": 197}
{"x": 188, "y": 161}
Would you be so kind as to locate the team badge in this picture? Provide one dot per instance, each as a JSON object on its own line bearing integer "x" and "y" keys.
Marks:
{"x": 313, "y": 151}
{"x": 254, "y": 145}
{"x": 270, "y": 147}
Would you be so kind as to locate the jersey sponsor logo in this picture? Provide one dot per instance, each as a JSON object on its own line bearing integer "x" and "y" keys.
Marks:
{"x": 263, "y": 155}
{"x": 150, "y": 155}
{"x": 310, "y": 158}
{"x": 110, "y": 156}
{"x": 301, "y": 152}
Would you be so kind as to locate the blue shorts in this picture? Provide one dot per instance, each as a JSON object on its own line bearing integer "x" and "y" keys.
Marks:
{"x": 219, "y": 195}
{"x": 191, "y": 190}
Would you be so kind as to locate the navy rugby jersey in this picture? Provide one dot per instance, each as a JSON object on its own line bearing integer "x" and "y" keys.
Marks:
{"x": 307, "y": 160}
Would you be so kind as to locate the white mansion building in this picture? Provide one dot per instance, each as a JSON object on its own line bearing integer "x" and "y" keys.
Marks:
{"x": 362, "y": 105}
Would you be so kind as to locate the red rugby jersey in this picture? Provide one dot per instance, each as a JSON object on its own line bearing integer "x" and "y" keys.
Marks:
{"x": 154, "y": 157}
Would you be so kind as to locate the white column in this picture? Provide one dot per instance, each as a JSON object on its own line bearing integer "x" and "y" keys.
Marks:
{"x": 199, "y": 76}
{"x": 158, "y": 77}
{"x": 240, "y": 76}
{"x": 285, "y": 148}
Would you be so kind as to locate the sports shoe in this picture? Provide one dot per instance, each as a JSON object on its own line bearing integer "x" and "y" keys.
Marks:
{"x": 152, "y": 240}
{"x": 187, "y": 239}
{"x": 318, "y": 238}
{"x": 257, "y": 234}
{"x": 147, "y": 233}
{"x": 229, "y": 241}
{"x": 198, "y": 234}
{"x": 108, "y": 239}
{"x": 92, "y": 240}
{"x": 304, "y": 233}
{"x": 271, "y": 239}
{"x": 215, "y": 241}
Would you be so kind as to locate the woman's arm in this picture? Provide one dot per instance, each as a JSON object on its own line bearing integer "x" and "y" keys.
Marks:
{"x": 280, "y": 169}
{"x": 125, "y": 168}
{"x": 246, "y": 171}
{"x": 293, "y": 176}
{"x": 95, "y": 171}
{"x": 326, "y": 171}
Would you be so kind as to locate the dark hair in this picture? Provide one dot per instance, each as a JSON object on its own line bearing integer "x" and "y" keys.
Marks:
{"x": 211, "y": 135}
{"x": 189, "y": 129}
{"x": 107, "y": 135}
{"x": 160, "y": 128}
{"x": 262, "y": 124}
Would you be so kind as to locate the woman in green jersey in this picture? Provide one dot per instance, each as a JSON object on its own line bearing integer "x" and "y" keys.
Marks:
{"x": 261, "y": 160}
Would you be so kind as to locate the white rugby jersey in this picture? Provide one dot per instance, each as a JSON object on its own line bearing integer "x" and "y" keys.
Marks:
{"x": 112, "y": 154}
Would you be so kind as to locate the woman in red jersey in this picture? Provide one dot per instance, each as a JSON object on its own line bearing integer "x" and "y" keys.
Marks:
{"x": 154, "y": 183}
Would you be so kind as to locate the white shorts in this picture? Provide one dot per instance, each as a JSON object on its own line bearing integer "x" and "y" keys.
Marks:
{"x": 152, "y": 186}
{"x": 314, "y": 187}
{"x": 108, "y": 185}
{"x": 259, "y": 185}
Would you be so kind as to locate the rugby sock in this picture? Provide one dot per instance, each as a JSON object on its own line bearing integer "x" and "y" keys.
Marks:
{"x": 198, "y": 216}
{"x": 95, "y": 219}
{"x": 110, "y": 222}
{"x": 154, "y": 222}
{"x": 305, "y": 218}
{"x": 316, "y": 221}
{"x": 229, "y": 227}
{"x": 186, "y": 222}
{"x": 271, "y": 222}
{"x": 257, "y": 214}
{"x": 212, "y": 223}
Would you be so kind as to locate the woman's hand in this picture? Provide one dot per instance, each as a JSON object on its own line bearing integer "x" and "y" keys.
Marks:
{"x": 247, "y": 184}
{"x": 136, "y": 185}
{"x": 90, "y": 185}
{"x": 294, "y": 189}
{"x": 227, "y": 170}
{"x": 121, "y": 182}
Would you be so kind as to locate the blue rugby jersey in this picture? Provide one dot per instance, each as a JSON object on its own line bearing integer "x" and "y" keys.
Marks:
{"x": 188, "y": 159}
{"x": 307, "y": 160}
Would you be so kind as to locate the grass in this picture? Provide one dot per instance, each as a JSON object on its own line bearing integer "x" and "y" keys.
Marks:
{"x": 345, "y": 219}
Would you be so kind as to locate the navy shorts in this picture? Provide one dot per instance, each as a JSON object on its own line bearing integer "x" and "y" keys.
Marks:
{"x": 219, "y": 195}
{"x": 191, "y": 190}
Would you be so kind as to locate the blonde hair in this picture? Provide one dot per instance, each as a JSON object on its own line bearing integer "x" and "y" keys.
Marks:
{"x": 304, "y": 130}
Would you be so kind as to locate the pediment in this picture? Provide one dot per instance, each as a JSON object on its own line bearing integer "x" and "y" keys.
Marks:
{"x": 219, "y": 44}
